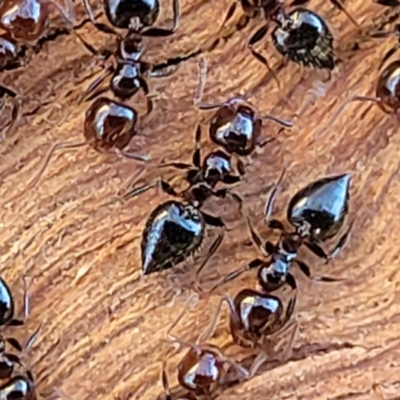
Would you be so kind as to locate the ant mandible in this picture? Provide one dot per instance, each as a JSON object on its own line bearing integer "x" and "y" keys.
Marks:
{"x": 175, "y": 230}
{"x": 315, "y": 217}
{"x": 237, "y": 124}
{"x": 301, "y": 35}
{"x": 128, "y": 69}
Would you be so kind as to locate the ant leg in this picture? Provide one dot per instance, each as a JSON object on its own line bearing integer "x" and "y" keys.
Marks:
{"x": 4, "y": 91}
{"x": 269, "y": 205}
{"x": 283, "y": 122}
{"x": 47, "y": 159}
{"x": 341, "y": 109}
{"x": 340, "y": 244}
{"x": 165, "y": 186}
{"x": 134, "y": 156}
{"x": 101, "y": 27}
{"x": 257, "y": 239}
{"x": 235, "y": 274}
{"x": 257, "y": 363}
{"x": 191, "y": 302}
{"x": 18, "y": 322}
{"x": 196, "y": 158}
{"x": 162, "y": 31}
{"x": 14, "y": 343}
{"x": 69, "y": 17}
{"x": 339, "y": 4}
{"x": 231, "y": 11}
{"x": 305, "y": 269}
{"x": 165, "y": 382}
{"x": 91, "y": 90}
{"x": 202, "y": 64}
{"x": 231, "y": 179}
{"x": 388, "y": 3}
{"x": 209, "y": 331}
{"x": 257, "y": 36}
{"x": 218, "y": 223}
{"x": 222, "y": 193}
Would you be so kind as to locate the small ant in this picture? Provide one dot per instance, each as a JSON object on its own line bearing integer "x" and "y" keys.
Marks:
{"x": 175, "y": 230}
{"x": 387, "y": 91}
{"x": 128, "y": 70}
{"x": 204, "y": 368}
{"x": 109, "y": 126}
{"x": 301, "y": 35}
{"x": 317, "y": 212}
{"x": 18, "y": 386}
{"x": 24, "y": 23}
{"x": 236, "y": 126}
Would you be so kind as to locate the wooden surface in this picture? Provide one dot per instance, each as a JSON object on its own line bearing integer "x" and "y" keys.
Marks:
{"x": 102, "y": 324}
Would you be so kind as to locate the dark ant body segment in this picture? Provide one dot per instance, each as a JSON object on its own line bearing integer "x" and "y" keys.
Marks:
{"x": 135, "y": 16}
{"x": 317, "y": 212}
{"x": 109, "y": 126}
{"x": 175, "y": 230}
{"x": 19, "y": 387}
{"x": 257, "y": 319}
{"x": 301, "y": 35}
{"x": 236, "y": 125}
{"x": 204, "y": 368}
{"x": 304, "y": 38}
{"x": 128, "y": 71}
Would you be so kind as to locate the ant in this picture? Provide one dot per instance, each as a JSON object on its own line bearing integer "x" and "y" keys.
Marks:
{"x": 387, "y": 91}
{"x": 301, "y": 35}
{"x": 109, "y": 127}
{"x": 237, "y": 124}
{"x": 204, "y": 368}
{"x": 19, "y": 386}
{"x": 175, "y": 230}
{"x": 24, "y": 23}
{"x": 128, "y": 70}
{"x": 317, "y": 212}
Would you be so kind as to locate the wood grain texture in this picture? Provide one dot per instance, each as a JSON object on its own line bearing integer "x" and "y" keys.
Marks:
{"x": 104, "y": 325}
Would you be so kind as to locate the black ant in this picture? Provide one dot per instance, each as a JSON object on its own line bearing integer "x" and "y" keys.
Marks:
{"x": 175, "y": 230}
{"x": 317, "y": 212}
{"x": 237, "y": 124}
{"x": 18, "y": 386}
{"x": 204, "y": 369}
{"x": 129, "y": 70}
{"x": 109, "y": 126}
{"x": 301, "y": 35}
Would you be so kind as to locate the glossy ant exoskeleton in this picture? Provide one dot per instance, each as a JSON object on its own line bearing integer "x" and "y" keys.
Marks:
{"x": 204, "y": 369}
{"x": 109, "y": 127}
{"x": 317, "y": 212}
{"x": 129, "y": 70}
{"x": 19, "y": 385}
{"x": 237, "y": 124}
{"x": 301, "y": 35}
{"x": 256, "y": 320}
{"x": 175, "y": 230}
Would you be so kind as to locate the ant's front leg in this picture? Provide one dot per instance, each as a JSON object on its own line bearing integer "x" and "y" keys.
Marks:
{"x": 222, "y": 193}
{"x": 257, "y": 37}
{"x": 6, "y": 93}
{"x": 95, "y": 88}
